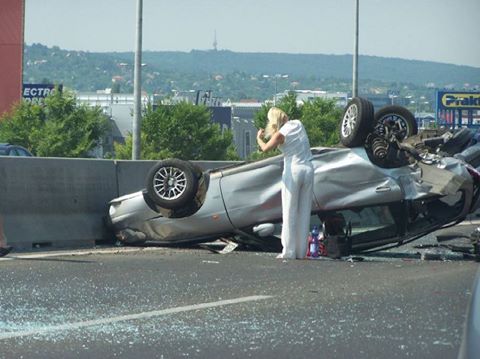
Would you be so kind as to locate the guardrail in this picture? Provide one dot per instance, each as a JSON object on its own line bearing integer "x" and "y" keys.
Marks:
{"x": 61, "y": 203}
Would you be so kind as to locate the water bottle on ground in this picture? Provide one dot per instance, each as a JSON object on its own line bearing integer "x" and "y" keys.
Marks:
{"x": 313, "y": 245}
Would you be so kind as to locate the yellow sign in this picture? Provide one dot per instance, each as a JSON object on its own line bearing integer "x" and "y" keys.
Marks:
{"x": 456, "y": 100}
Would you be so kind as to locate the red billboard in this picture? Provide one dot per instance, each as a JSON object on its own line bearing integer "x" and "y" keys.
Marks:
{"x": 11, "y": 52}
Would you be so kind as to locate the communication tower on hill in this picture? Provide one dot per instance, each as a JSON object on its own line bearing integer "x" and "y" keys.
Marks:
{"x": 215, "y": 41}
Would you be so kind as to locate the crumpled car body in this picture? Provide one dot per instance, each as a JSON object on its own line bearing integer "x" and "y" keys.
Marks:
{"x": 382, "y": 205}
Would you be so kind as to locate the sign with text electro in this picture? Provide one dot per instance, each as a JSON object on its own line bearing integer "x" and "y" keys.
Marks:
{"x": 36, "y": 93}
{"x": 458, "y": 100}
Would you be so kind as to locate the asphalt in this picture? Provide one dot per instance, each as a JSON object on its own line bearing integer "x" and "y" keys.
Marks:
{"x": 191, "y": 303}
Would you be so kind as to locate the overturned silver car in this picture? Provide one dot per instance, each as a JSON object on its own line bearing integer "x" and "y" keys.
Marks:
{"x": 386, "y": 185}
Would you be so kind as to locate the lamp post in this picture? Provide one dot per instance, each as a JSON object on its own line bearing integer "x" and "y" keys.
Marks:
{"x": 137, "y": 86}
{"x": 355, "y": 53}
{"x": 276, "y": 77}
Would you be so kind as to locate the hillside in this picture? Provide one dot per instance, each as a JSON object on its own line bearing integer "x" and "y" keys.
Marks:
{"x": 237, "y": 75}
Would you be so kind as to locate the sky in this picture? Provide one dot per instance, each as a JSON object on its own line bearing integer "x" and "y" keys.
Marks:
{"x": 444, "y": 31}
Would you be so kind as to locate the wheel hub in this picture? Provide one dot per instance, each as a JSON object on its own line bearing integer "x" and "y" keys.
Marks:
{"x": 349, "y": 120}
{"x": 169, "y": 183}
{"x": 396, "y": 125}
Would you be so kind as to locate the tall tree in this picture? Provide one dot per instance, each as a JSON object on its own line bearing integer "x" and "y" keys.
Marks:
{"x": 182, "y": 131}
{"x": 58, "y": 128}
{"x": 321, "y": 118}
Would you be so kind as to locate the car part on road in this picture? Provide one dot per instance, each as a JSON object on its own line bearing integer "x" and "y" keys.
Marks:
{"x": 264, "y": 229}
{"x": 336, "y": 235}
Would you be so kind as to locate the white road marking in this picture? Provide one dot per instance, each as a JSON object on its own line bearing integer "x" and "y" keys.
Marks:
{"x": 80, "y": 252}
{"x": 121, "y": 318}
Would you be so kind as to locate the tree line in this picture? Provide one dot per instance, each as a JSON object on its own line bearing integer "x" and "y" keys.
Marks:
{"x": 62, "y": 127}
{"x": 237, "y": 76}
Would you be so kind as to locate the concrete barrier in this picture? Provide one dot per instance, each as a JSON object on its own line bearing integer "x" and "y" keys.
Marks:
{"x": 55, "y": 202}
{"x": 61, "y": 203}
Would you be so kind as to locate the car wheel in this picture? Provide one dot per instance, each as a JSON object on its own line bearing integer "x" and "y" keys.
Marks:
{"x": 172, "y": 183}
{"x": 356, "y": 122}
{"x": 396, "y": 120}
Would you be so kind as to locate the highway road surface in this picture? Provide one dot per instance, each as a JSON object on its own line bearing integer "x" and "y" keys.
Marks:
{"x": 191, "y": 303}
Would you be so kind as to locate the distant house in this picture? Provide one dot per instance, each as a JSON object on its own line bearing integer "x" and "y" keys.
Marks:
{"x": 425, "y": 120}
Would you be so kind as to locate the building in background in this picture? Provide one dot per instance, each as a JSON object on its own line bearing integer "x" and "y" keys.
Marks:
{"x": 383, "y": 100}
{"x": 119, "y": 109}
{"x": 341, "y": 98}
{"x": 11, "y": 53}
{"x": 243, "y": 126}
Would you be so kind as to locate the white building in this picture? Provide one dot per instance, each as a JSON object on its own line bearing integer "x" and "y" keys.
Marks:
{"x": 341, "y": 98}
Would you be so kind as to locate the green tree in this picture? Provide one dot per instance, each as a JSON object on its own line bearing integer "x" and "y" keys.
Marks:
{"x": 182, "y": 131}
{"x": 321, "y": 118}
{"x": 58, "y": 128}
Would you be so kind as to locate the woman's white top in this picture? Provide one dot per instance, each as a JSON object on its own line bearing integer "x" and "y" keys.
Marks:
{"x": 296, "y": 147}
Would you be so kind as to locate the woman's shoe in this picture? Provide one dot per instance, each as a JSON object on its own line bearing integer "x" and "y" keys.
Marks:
{"x": 5, "y": 250}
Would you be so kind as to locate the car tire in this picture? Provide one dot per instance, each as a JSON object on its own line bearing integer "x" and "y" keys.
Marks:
{"x": 357, "y": 122}
{"x": 172, "y": 183}
{"x": 397, "y": 115}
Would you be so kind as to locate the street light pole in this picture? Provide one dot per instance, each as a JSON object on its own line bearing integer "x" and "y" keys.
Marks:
{"x": 355, "y": 53}
{"x": 137, "y": 86}
{"x": 275, "y": 78}
{"x": 275, "y": 94}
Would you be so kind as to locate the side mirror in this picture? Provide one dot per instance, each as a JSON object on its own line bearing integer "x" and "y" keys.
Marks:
{"x": 264, "y": 229}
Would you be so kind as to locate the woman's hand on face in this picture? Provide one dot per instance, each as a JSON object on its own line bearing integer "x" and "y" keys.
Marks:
{"x": 260, "y": 133}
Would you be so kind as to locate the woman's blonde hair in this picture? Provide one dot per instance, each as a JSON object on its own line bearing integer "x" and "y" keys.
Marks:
{"x": 276, "y": 119}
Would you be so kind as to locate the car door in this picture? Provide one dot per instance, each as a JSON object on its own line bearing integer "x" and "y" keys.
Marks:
{"x": 371, "y": 226}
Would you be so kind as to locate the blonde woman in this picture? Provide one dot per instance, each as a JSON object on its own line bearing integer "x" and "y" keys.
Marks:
{"x": 297, "y": 179}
